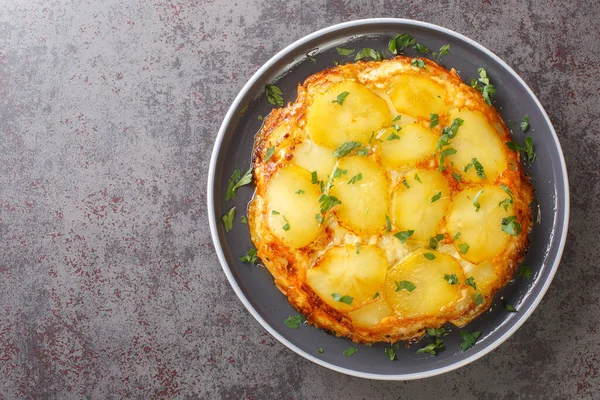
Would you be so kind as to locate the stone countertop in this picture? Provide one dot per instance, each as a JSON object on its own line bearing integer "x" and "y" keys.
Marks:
{"x": 109, "y": 283}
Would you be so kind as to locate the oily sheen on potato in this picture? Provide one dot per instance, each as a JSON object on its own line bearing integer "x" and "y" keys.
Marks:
{"x": 387, "y": 201}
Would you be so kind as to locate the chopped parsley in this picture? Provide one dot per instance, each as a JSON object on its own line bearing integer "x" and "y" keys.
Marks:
{"x": 511, "y": 226}
{"x": 417, "y": 178}
{"x": 270, "y": 152}
{"x": 404, "y": 235}
{"x": 337, "y": 172}
{"x": 476, "y": 200}
{"x": 429, "y": 256}
{"x": 300, "y": 191}
{"x": 274, "y": 95}
{"x": 236, "y": 181}
{"x": 463, "y": 248}
{"x": 405, "y": 183}
{"x": 444, "y": 51}
{"x": 320, "y": 350}
{"x": 391, "y": 353}
{"x": 228, "y": 219}
{"x": 469, "y": 339}
{"x": 449, "y": 132}
{"x": 478, "y": 299}
{"x": 525, "y": 272}
{"x": 398, "y": 117}
{"x": 244, "y": 109}
{"x": 435, "y": 197}
{"x": 457, "y": 176}
{"x": 488, "y": 90}
{"x": 274, "y": 212}
{"x": 358, "y": 248}
{"x": 456, "y": 236}
{"x": 363, "y": 152}
{"x": 328, "y": 202}
{"x": 244, "y": 220}
{"x": 445, "y": 153}
{"x": 451, "y": 279}
{"x": 340, "y": 98}
{"x": 471, "y": 282}
{"x": 527, "y": 150}
{"x": 405, "y": 285}
{"x": 376, "y": 295}
{"x": 313, "y": 177}
{"x": 286, "y": 227}
{"x": 525, "y": 123}
{"x": 342, "y": 299}
{"x": 421, "y": 48}
{"x": 478, "y": 168}
{"x": 319, "y": 218}
{"x": 368, "y": 53}
{"x": 434, "y": 120}
{"x": 250, "y": 257}
{"x": 349, "y": 351}
{"x": 388, "y": 223}
{"x": 260, "y": 117}
{"x": 417, "y": 62}
{"x": 434, "y": 241}
{"x": 355, "y": 178}
{"x": 294, "y": 321}
{"x": 393, "y": 136}
{"x": 432, "y": 348}
{"x": 436, "y": 332}
{"x": 345, "y": 52}
{"x": 345, "y": 149}
{"x": 510, "y": 308}
{"x": 400, "y": 42}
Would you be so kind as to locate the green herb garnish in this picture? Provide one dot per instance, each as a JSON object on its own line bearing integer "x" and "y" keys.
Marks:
{"x": 416, "y": 62}
{"x": 469, "y": 339}
{"x": 434, "y": 120}
{"x": 405, "y": 285}
{"x": 340, "y": 98}
{"x": 525, "y": 123}
{"x": 342, "y": 299}
{"x": 345, "y": 52}
{"x": 368, "y": 53}
{"x": 404, "y": 235}
{"x": 250, "y": 257}
{"x": 345, "y": 149}
{"x": 294, "y": 321}
{"x": 511, "y": 226}
{"x": 391, "y": 353}
{"x": 400, "y": 42}
{"x": 228, "y": 219}
{"x": 236, "y": 181}
{"x": 349, "y": 351}
{"x": 451, "y": 279}
{"x": 274, "y": 95}
{"x": 525, "y": 272}
{"x": 463, "y": 248}
{"x": 429, "y": 256}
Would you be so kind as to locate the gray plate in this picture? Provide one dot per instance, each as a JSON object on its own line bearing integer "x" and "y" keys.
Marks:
{"x": 254, "y": 285}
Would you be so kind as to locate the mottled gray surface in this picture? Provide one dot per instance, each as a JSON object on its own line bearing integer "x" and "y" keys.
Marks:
{"x": 109, "y": 284}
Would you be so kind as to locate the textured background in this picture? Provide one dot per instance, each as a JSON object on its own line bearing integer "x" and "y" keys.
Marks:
{"x": 109, "y": 284}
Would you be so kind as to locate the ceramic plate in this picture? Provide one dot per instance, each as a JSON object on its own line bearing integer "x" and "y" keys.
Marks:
{"x": 254, "y": 285}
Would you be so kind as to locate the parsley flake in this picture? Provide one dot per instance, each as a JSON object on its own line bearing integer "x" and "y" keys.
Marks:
{"x": 270, "y": 152}
{"x": 445, "y": 153}
{"x": 355, "y": 178}
{"x": 313, "y": 177}
{"x": 434, "y": 120}
{"x": 300, "y": 191}
{"x": 463, "y": 248}
{"x": 511, "y": 226}
{"x": 525, "y": 272}
{"x": 469, "y": 339}
{"x": 244, "y": 220}
{"x": 274, "y": 95}
{"x": 478, "y": 168}
{"x": 342, "y": 299}
{"x": 388, "y": 223}
{"x": 319, "y": 218}
{"x": 432, "y": 348}
{"x": 391, "y": 353}
{"x": 320, "y": 350}
{"x": 444, "y": 51}
{"x": 510, "y": 307}
{"x": 525, "y": 123}
{"x": 405, "y": 285}
{"x": 471, "y": 282}
{"x": 337, "y": 172}
{"x": 328, "y": 202}
{"x": 294, "y": 321}
{"x": 398, "y": 117}
{"x": 417, "y": 178}
{"x": 451, "y": 279}
{"x": 400, "y": 42}
{"x": 435, "y": 197}
{"x": 456, "y": 236}
{"x": 286, "y": 227}
{"x": 404, "y": 235}
{"x": 345, "y": 52}
{"x": 228, "y": 219}
{"x": 478, "y": 299}
{"x": 421, "y": 48}
{"x": 340, "y": 98}
{"x": 405, "y": 183}
{"x": 236, "y": 181}
{"x": 393, "y": 136}
{"x": 429, "y": 256}
{"x": 417, "y": 62}
{"x": 376, "y": 295}
{"x": 349, "y": 351}
{"x": 368, "y": 53}
{"x": 345, "y": 149}
{"x": 250, "y": 257}
{"x": 457, "y": 176}
{"x": 434, "y": 241}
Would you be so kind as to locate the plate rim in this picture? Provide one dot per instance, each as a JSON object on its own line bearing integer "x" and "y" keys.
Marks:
{"x": 213, "y": 220}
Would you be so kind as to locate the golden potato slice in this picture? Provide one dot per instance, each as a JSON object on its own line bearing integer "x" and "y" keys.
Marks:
{"x": 417, "y": 96}
{"x": 312, "y": 157}
{"x": 371, "y": 314}
{"x": 420, "y": 206}
{"x": 343, "y": 271}
{"x": 479, "y": 227}
{"x": 363, "y": 191}
{"x": 412, "y": 143}
{"x": 361, "y": 113}
{"x": 477, "y": 139}
{"x": 418, "y": 286}
{"x": 292, "y": 203}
